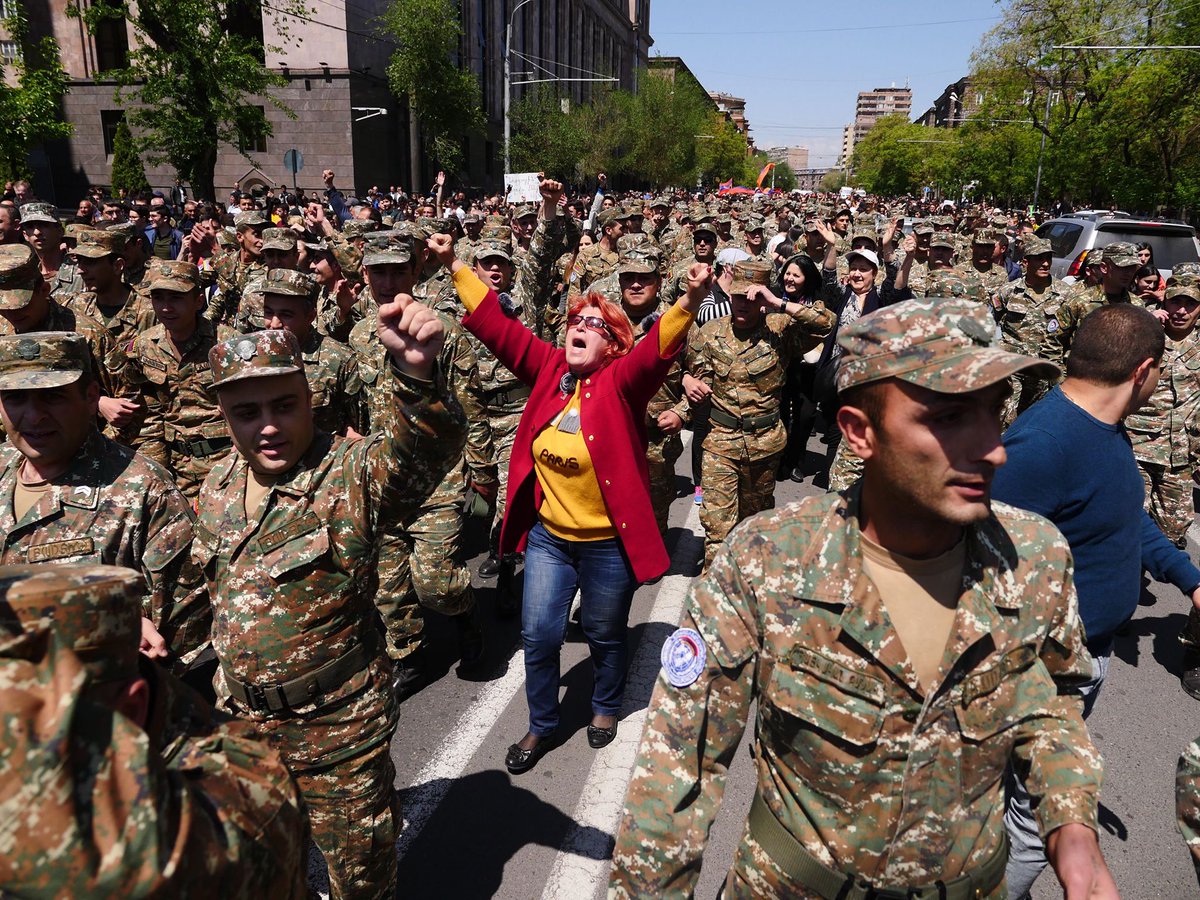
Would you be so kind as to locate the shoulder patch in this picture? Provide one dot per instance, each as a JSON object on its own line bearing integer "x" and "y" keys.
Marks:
{"x": 683, "y": 657}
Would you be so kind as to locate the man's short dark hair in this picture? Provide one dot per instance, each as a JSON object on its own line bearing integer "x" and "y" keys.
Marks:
{"x": 1112, "y": 342}
{"x": 867, "y": 397}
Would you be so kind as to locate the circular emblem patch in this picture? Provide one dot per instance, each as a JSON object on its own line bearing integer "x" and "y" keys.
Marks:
{"x": 27, "y": 348}
{"x": 683, "y": 657}
{"x": 245, "y": 349}
{"x": 1052, "y": 326}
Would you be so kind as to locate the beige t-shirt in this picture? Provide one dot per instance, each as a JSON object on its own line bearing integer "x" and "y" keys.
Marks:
{"x": 26, "y": 497}
{"x": 921, "y": 597}
{"x": 257, "y": 487}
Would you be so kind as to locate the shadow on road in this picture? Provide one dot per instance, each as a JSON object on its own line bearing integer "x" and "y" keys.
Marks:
{"x": 1165, "y": 646}
{"x": 484, "y": 822}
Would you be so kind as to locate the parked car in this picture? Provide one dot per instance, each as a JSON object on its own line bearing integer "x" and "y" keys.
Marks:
{"x": 1072, "y": 238}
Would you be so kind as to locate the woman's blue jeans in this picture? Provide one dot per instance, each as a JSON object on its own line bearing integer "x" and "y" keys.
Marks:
{"x": 554, "y": 568}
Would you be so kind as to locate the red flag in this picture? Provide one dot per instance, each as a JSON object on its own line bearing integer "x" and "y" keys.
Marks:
{"x": 762, "y": 176}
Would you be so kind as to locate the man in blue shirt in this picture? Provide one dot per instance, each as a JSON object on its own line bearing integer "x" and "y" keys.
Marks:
{"x": 1070, "y": 460}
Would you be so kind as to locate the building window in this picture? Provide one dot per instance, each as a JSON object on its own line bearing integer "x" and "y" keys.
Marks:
{"x": 112, "y": 45}
{"x": 109, "y": 120}
{"x": 10, "y": 52}
{"x": 8, "y": 9}
{"x": 252, "y": 136}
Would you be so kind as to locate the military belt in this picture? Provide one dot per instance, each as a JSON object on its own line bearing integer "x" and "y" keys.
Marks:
{"x": 744, "y": 423}
{"x": 510, "y": 396}
{"x": 804, "y": 868}
{"x": 264, "y": 698}
{"x": 202, "y": 448}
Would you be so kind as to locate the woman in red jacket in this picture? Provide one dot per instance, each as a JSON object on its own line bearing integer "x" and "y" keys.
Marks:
{"x": 579, "y": 489}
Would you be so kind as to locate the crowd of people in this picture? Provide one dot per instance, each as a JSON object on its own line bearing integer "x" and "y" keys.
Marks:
{"x": 244, "y": 441}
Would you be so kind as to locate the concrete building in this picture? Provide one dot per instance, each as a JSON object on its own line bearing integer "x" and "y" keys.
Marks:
{"x": 847, "y": 146}
{"x": 734, "y": 109}
{"x": 334, "y": 64}
{"x": 810, "y": 179}
{"x": 957, "y": 103}
{"x": 870, "y": 107}
{"x": 795, "y": 157}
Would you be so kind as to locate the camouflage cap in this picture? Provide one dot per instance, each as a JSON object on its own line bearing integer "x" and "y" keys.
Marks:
{"x": 445, "y": 225}
{"x": 356, "y": 228}
{"x": 72, "y": 230}
{"x": 20, "y": 275}
{"x": 472, "y": 219}
{"x": 1183, "y": 285}
{"x": 175, "y": 275}
{"x": 942, "y": 345}
{"x": 96, "y": 610}
{"x": 258, "y": 355}
{"x": 494, "y": 220}
{"x": 983, "y": 236}
{"x": 659, "y": 202}
{"x": 749, "y": 273}
{"x": 922, "y": 226}
{"x": 606, "y": 217}
{"x": 251, "y": 218}
{"x": 1121, "y": 254}
{"x": 955, "y": 283}
{"x": 1036, "y": 246}
{"x": 96, "y": 244}
{"x": 289, "y": 283}
{"x": 278, "y": 239}
{"x": 942, "y": 239}
{"x": 495, "y": 241}
{"x": 524, "y": 210}
{"x": 385, "y": 247}
{"x": 349, "y": 259}
{"x": 641, "y": 257}
{"x": 39, "y": 212}
{"x": 42, "y": 359}
{"x": 942, "y": 223}
{"x": 1186, "y": 268}
{"x": 753, "y": 223}
{"x": 126, "y": 229}
{"x": 864, "y": 232}
{"x": 811, "y": 225}
{"x": 706, "y": 228}
{"x": 724, "y": 219}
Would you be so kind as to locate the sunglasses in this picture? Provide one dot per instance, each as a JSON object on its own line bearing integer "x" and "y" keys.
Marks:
{"x": 593, "y": 323}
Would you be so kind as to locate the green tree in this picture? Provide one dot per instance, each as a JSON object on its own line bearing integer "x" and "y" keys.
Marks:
{"x": 544, "y": 137}
{"x": 898, "y": 157}
{"x": 127, "y": 171}
{"x": 660, "y": 124}
{"x": 193, "y": 78}
{"x": 443, "y": 97}
{"x": 723, "y": 155}
{"x": 30, "y": 111}
{"x": 834, "y": 180}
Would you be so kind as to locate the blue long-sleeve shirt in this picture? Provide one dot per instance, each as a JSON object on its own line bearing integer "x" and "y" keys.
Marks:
{"x": 1080, "y": 474}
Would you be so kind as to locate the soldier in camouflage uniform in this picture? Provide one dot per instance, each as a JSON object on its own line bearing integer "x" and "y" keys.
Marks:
{"x": 290, "y": 301}
{"x": 743, "y": 360}
{"x": 464, "y": 247}
{"x": 286, "y": 537}
{"x": 704, "y": 250}
{"x": 69, "y": 494}
{"x": 1118, "y": 264}
{"x": 338, "y": 269}
{"x": 235, "y": 268}
{"x": 1187, "y": 800}
{"x": 594, "y": 262}
{"x": 215, "y": 812}
{"x": 279, "y": 250}
{"x": 44, "y": 233}
{"x": 1027, "y": 310}
{"x": 420, "y": 560}
{"x": 166, "y": 368}
{"x": 890, "y": 700}
{"x": 993, "y": 277}
{"x": 525, "y": 292}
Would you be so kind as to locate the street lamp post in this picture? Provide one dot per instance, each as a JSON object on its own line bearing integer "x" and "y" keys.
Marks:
{"x": 508, "y": 79}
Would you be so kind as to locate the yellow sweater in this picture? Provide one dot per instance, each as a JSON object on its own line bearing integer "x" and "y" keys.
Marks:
{"x": 572, "y": 505}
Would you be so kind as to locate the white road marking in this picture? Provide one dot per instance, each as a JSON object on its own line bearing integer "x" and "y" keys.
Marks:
{"x": 581, "y": 866}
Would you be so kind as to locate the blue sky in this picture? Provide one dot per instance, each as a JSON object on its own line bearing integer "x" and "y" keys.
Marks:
{"x": 800, "y": 77}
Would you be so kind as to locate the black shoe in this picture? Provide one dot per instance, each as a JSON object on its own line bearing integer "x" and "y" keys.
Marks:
{"x": 490, "y": 567}
{"x": 470, "y": 638}
{"x": 408, "y": 676}
{"x": 601, "y": 737}
{"x": 508, "y": 602}
{"x": 1190, "y": 679}
{"x": 797, "y": 475}
{"x": 518, "y": 760}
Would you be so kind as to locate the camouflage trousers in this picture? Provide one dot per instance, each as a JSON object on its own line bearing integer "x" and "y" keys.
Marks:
{"x": 662, "y": 454}
{"x": 421, "y": 568}
{"x": 735, "y": 488}
{"x": 504, "y": 433}
{"x": 1026, "y": 391}
{"x": 1169, "y": 500}
{"x": 355, "y": 815}
{"x": 190, "y": 471}
{"x": 847, "y": 467}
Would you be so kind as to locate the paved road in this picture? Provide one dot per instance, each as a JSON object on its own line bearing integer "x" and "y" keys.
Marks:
{"x": 472, "y": 830}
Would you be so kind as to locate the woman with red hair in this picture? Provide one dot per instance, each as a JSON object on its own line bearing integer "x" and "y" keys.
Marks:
{"x": 579, "y": 489}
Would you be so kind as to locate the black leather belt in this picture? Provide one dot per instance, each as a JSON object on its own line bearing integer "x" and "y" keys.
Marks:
{"x": 302, "y": 691}
{"x": 745, "y": 423}
{"x": 202, "y": 448}
{"x": 510, "y": 396}
{"x": 804, "y": 868}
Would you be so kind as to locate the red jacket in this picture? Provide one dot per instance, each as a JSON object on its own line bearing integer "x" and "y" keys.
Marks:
{"x": 612, "y": 416}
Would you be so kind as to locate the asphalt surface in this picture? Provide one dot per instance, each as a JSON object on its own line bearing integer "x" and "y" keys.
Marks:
{"x": 472, "y": 830}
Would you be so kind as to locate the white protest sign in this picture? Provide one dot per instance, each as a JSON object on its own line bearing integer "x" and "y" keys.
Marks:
{"x": 524, "y": 187}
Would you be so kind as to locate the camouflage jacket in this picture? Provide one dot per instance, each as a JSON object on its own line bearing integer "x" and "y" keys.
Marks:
{"x": 118, "y": 508}
{"x": 1078, "y": 301}
{"x": 855, "y": 761}
{"x": 292, "y": 584}
{"x": 591, "y": 264}
{"x": 66, "y": 281}
{"x": 232, "y": 277}
{"x": 332, "y": 372}
{"x": 179, "y": 414}
{"x": 458, "y": 361}
{"x": 1187, "y": 800}
{"x": 747, "y": 373}
{"x": 527, "y": 299}
{"x": 1029, "y": 321}
{"x": 464, "y": 249}
{"x": 94, "y": 810}
{"x": 62, "y": 318}
{"x": 1164, "y": 431}
{"x": 331, "y": 321}
{"x": 131, "y": 319}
